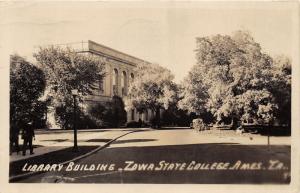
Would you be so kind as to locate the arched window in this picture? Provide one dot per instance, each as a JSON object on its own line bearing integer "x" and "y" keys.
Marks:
{"x": 124, "y": 83}
{"x": 131, "y": 77}
{"x": 115, "y": 82}
{"x": 115, "y": 77}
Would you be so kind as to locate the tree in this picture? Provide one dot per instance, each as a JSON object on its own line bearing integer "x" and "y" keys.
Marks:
{"x": 193, "y": 93}
{"x": 153, "y": 88}
{"x": 110, "y": 114}
{"x": 232, "y": 80}
{"x": 27, "y": 85}
{"x": 66, "y": 70}
{"x": 281, "y": 88}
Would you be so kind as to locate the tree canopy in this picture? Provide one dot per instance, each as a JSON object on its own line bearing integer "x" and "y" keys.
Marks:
{"x": 233, "y": 77}
{"x": 27, "y": 85}
{"x": 66, "y": 70}
{"x": 153, "y": 88}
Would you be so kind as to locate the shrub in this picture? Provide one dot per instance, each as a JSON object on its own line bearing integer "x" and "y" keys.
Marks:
{"x": 134, "y": 124}
{"x": 64, "y": 115}
{"x": 109, "y": 114}
{"x": 199, "y": 125}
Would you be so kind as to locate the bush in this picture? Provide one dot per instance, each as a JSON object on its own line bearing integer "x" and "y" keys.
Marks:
{"x": 64, "y": 115}
{"x": 175, "y": 117}
{"x": 199, "y": 125}
{"x": 108, "y": 114}
{"x": 134, "y": 124}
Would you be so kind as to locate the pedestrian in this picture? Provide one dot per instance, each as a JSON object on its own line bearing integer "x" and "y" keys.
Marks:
{"x": 14, "y": 139}
{"x": 28, "y": 134}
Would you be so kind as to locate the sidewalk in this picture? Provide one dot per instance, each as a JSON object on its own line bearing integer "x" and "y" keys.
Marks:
{"x": 55, "y": 141}
{"x": 60, "y": 151}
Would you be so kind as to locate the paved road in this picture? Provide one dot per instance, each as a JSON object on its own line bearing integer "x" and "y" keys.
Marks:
{"x": 180, "y": 156}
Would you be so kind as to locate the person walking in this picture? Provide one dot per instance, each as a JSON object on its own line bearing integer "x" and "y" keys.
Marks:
{"x": 28, "y": 134}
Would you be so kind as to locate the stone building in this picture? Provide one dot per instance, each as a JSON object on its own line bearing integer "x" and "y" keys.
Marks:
{"x": 119, "y": 73}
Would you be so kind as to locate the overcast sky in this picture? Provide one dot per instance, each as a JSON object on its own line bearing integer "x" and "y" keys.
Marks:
{"x": 162, "y": 33}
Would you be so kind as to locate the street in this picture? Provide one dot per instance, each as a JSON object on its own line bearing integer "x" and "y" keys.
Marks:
{"x": 169, "y": 155}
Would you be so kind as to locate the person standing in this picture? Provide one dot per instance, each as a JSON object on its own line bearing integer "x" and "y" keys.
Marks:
{"x": 14, "y": 139}
{"x": 28, "y": 134}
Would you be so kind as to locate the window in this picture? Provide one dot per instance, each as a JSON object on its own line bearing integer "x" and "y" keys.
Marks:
{"x": 115, "y": 82}
{"x": 124, "y": 83}
{"x": 115, "y": 77}
{"x": 131, "y": 77}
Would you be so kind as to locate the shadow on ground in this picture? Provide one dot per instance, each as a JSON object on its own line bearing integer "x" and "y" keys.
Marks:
{"x": 200, "y": 153}
{"x": 56, "y": 140}
{"x": 14, "y": 150}
{"x": 171, "y": 128}
{"x": 56, "y": 157}
{"x": 121, "y": 141}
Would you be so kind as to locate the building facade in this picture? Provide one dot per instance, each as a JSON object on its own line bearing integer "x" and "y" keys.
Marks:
{"x": 120, "y": 70}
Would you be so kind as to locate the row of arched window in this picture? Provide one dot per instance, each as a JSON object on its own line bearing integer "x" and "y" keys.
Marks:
{"x": 115, "y": 82}
{"x": 124, "y": 82}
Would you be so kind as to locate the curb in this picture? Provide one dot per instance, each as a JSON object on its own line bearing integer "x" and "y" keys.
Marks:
{"x": 21, "y": 176}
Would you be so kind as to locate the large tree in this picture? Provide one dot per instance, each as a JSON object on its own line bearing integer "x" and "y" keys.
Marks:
{"x": 66, "y": 70}
{"x": 232, "y": 79}
{"x": 27, "y": 85}
{"x": 153, "y": 88}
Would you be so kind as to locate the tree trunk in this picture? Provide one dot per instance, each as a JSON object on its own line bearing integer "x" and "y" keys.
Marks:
{"x": 234, "y": 122}
{"x": 157, "y": 111}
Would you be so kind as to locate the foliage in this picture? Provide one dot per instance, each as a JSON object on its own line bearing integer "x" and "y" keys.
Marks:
{"x": 175, "y": 117}
{"x": 193, "y": 95}
{"x": 118, "y": 114}
{"x": 109, "y": 114}
{"x": 134, "y": 124}
{"x": 27, "y": 84}
{"x": 65, "y": 117}
{"x": 281, "y": 88}
{"x": 234, "y": 79}
{"x": 153, "y": 88}
{"x": 66, "y": 70}
{"x": 98, "y": 113}
{"x": 199, "y": 125}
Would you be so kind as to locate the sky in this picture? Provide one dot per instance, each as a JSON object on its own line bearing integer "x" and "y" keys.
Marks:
{"x": 159, "y": 32}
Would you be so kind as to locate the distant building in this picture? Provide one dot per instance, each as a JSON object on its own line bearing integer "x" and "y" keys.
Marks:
{"x": 119, "y": 73}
